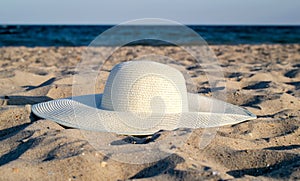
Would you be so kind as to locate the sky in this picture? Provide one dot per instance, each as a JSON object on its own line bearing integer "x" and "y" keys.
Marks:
{"x": 202, "y": 12}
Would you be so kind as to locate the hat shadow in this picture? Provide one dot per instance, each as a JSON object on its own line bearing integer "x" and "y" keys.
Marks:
{"x": 145, "y": 139}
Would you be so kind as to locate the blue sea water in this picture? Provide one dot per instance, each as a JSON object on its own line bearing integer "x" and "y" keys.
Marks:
{"x": 82, "y": 35}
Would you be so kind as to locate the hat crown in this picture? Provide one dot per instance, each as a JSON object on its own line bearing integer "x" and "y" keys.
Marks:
{"x": 145, "y": 87}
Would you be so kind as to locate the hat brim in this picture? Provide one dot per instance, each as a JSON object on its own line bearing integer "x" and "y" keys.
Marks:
{"x": 84, "y": 112}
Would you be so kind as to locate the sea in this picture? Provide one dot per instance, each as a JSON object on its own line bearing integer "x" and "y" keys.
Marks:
{"x": 83, "y": 35}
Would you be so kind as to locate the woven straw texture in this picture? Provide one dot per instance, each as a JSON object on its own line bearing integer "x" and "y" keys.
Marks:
{"x": 141, "y": 98}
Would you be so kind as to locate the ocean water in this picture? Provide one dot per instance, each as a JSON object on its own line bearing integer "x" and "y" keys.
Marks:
{"x": 82, "y": 35}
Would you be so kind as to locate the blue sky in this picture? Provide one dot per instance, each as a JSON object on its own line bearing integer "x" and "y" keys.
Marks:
{"x": 117, "y": 11}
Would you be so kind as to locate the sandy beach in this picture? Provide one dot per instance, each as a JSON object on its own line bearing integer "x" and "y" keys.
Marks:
{"x": 265, "y": 79}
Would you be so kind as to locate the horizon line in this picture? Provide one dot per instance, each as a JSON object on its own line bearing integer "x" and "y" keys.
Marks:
{"x": 92, "y": 24}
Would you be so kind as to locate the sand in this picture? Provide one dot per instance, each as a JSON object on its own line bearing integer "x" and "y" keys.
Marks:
{"x": 265, "y": 79}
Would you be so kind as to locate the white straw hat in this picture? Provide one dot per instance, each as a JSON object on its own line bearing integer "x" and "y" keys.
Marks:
{"x": 141, "y": 98}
